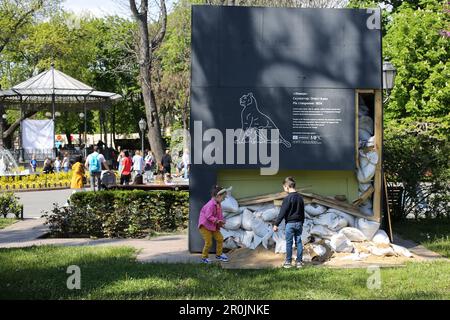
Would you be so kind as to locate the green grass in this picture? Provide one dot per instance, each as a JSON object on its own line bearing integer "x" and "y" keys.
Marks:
{"x": 113, "y": 273}
{"x": 4, "y": 222}
{"x": 433, "y": 234}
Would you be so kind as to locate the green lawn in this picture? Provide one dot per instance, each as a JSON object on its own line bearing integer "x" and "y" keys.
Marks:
{"x": 4, "y": 222}
{"x": 113, "y": 273}
{"x": 434, "y": 234}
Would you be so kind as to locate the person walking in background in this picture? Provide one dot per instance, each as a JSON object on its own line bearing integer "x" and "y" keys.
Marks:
{"x": 57, "y": 165}
{"x": 77, "y": 182}
{"x": 149, "y": 161}
{"x": 186, "y": 163}
{"x": 66, "y": 162}
{"x": 94, "y": 163}
{"x": 48, "y": 168}
{"x": 125, "y": 169}
{"x": 293, "y": 212}
{"x": 138, "y": 163}
{"x": 119, "y": 158}
{"x": 33, "y": 163}
{"x": 166, "y": 161}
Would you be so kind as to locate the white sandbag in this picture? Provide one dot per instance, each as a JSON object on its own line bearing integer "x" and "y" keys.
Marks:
{"x": 365, "y": 174}
{"x": 248, "y": 239}
{"x": 315, "y": 209}
{"x": 331, "y": 220}
{"x": 233, "y": 223}
{"x": 401, "y": 251}
{"x": 353, "y": 234}
{"x": 364, "y": 135}
{"x": 340, "y": 243}
{"x": 369, "y": 228}
{"x": 306, "y": 235}
{"x": 381, "y": 237}
{"x": 266, "y": 240}
{"x": 322, "y": 232}
{"x": 247, "y": 220}
{"x": 260, "y": 228}
{"x": 230, "y": 204}
{"x": 236, "y": 234}
{"x": 228, "y": 214}
{"x": 270, "y": 214}
{"x": 226, "y": 233}
{"x": 368, "y": 211}
{"x": 280, "y": 242}
{"x": 348, "y": 217}
{"x": 362, "y": 187}
{"x": 371, "y": 142}
{"x": 366, "y": 123}
{"x": 372, "y": 156}
{"x": 230, "y": 244}
{"x": 255, "y": 242}
{"x": 363, "y": 109}
{"x": 261, "y": 206}
{"x": 319, "y": 249}
{"x": 382, "y": 252}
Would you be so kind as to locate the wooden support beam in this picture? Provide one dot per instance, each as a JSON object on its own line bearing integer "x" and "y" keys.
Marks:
{"x": 364, "y": 196}
{"x": 378, "y": 131}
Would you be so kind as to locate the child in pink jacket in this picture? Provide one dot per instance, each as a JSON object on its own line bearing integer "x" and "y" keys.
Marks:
{"x": 209, "y": 224}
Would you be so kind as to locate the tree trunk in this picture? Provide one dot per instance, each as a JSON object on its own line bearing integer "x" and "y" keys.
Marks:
{"x": 146, "y": 46}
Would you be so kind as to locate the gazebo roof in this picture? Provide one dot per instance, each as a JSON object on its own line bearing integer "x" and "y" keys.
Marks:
{"x": 41, "y": 89}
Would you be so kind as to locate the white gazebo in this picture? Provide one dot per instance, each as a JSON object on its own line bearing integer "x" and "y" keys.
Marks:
{"x": 55, "y": 91}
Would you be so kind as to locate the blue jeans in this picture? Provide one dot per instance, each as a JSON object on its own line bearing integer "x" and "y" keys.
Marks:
{"x": 294, "y": 231}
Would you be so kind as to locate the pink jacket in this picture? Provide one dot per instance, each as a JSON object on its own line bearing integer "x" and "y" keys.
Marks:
{"x": 210, "y": 213}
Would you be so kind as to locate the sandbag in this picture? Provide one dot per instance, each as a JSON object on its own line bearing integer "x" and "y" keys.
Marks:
{"x": 364, "y": 134}
{"x": 227, "y": 214}
{"x": 365, "y": 174}
{"x": 348, "y": 217}
{"x": 315, "y": 209}
{"x": 247, "y": 239}
{"x": 383, "y": 252}
{"x": 319, "y": 249}
{"x": 366, "y": 211}
{"x": 331, "y": 220}
{"x": 280, "y": 242}
{"x": 362, "y": 187}
{"x": 381, "y": 237}
{"x": 401, "y": 251}
{"x": 233, "y": 223}
{"x": 306, "y": 234}
{"x": 247, "y": 219}
{"x": 260, "y": 228}
{"x": 255, "y": 242}
{"x": 340, "y": 243}
{"x": 230, "y": 204}
{"x": 369, "y": 228}
{"x": 266, "y": 240}
{"x": 270, "y": 214}
{"x": 363, "y": 109}
{"x": 372, "y": 156}
{"x": 353, "y": 234}
{"x": 321, "y": 231}
{"x": 230, "y": 244}
{"x": 261, "y": 207}
{"x": 366, "y": 123}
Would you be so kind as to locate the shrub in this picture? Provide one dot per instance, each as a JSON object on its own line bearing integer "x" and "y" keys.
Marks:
{"x": 120, "y": 214}
{"x": 9, "y": 204}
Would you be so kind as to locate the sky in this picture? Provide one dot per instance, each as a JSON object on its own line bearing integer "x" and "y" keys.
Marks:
{"x": 101, "y": 8}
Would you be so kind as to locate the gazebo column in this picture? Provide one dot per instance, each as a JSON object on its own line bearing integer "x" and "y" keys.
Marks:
{"x": 21, "y": 151}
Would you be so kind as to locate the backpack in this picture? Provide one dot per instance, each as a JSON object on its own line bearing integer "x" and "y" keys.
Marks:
{"x": 94, "y": 163}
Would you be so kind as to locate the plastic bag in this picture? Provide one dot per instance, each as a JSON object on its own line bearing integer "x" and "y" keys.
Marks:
{"x": 270, "y": 214}
{"x": 233, "y": 223}
{"x": 348, "y": 217}
{"x": 280, "y": 242}
{"x": 322, "y": 232}
{"x": 401, "y": 251}
{"x": 255, "y": 242}
{"x": 315, "y": 209}
{"x": 340, "y": 243}
{"x": 247, "y": 220}
{"x": 381, "y": 237}
{"x": 247, "y": 239}
{"x": 230, "y": 204}
{"x": 353, "y": 234}
{"x": 366, "y": 123}
{"x": 331, "y": 220}
{"x": 369, "y": 228}
{"x": 384, "y": 252}
{"x": 260, "y": 228}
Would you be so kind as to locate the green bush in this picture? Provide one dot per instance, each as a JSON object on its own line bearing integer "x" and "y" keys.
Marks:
{"x": 9, "y": 204}
{"x": 120, "y": 214}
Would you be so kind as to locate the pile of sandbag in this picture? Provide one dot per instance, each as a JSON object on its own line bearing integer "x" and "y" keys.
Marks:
{"x": 252, "y": 226}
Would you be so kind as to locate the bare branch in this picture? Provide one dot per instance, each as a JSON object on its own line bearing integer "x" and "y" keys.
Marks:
{"x": 157, "y": 40}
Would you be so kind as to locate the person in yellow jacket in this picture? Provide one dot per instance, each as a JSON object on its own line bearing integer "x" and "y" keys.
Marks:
{"x": 78, "y": 174}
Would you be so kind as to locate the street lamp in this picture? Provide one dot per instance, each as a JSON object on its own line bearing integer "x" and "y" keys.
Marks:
{"x": 142, "y": 126}
{"x": 389, "y": 73}
{"x": 57, "y": 114}
{"x": 4, "y": 116}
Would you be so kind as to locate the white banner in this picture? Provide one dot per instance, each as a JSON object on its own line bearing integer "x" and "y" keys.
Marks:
{"x": 37, "y": 134}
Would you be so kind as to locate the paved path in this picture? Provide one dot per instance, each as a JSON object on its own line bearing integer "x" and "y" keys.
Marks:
{"x": 34, "y": 202}
{"x": 415, "y": 248}
{"x": 23, "y": 231}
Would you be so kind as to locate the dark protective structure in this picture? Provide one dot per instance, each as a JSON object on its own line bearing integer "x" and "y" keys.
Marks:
{"x": 295, "y": 70}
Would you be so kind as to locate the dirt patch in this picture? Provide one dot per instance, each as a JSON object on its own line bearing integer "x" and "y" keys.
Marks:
{"x": 261, "y": 258}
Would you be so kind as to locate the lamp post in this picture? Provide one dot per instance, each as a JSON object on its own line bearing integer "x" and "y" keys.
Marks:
{"x": 142, "y": 126}
{"x": 83, "y": 116}
{"x": 389, "y": 73}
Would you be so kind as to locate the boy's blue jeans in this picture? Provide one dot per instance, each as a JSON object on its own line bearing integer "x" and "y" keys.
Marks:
{"x": 294, "y": 231}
